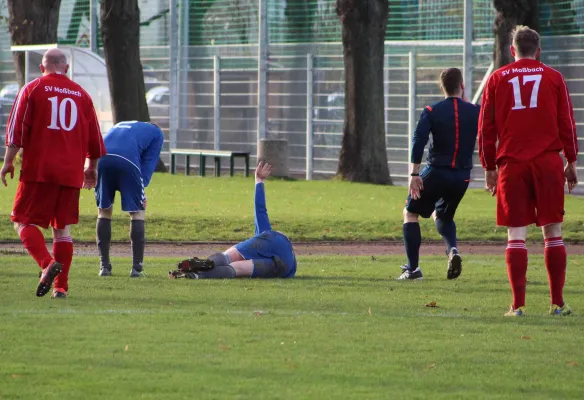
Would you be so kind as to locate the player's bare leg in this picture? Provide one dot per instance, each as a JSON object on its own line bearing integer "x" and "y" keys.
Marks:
{"x": 138, "y": 240}
{"x": 516, "y": 258}
{"x": 555, "y": 262}
{"x": 34, "y": 242}
{"x": 103, "y": 233}
{"x": 63, "y": 254}
{"x": 447, "y": 229}
{"x": 412, "y": 242}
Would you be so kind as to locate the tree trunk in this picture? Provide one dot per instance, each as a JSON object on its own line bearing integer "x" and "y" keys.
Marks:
{"x": 120, "y": 32}
{"x": 511, "y": 13}
{"x": 363, "y": 155}
{"x": 31, "y": 22}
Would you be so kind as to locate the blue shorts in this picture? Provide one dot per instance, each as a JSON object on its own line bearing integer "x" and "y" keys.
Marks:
{"x": 269, "y": 244}
{"x": 115, "y": 173}
{"x": 443, "y": 191}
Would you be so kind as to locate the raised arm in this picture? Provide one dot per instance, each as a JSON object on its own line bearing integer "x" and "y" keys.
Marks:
{"x": 261, "y": 220}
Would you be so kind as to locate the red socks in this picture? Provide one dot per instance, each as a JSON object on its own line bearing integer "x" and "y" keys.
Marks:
{"x": 63, "y": 252}
{"x": 516, "y": 257}
{"x": 555, "y": 263}
{"x": 34, "y": 242}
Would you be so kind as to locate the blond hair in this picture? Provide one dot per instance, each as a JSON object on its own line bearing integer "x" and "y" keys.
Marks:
{"x": 526, "y": 41}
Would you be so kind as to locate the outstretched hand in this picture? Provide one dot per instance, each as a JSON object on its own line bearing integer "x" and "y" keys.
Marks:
{"x": 262, "y": 171}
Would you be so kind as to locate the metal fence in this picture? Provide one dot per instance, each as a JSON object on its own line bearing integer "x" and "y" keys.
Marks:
{"x": 210, "y": 96}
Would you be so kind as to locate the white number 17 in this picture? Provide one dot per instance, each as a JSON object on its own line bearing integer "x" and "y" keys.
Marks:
{"x": 517, "y": 90}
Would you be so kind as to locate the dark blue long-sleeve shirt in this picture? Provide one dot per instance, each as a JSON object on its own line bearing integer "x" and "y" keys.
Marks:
{"x": 453, "y": 124}
{"x": 139, "y": 143}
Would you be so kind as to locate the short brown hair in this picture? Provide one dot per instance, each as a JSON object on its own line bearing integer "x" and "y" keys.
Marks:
{"x": 525, "y": 41}
{"x": 450, "y": 80}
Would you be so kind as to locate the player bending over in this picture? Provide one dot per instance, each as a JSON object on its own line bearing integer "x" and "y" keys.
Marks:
{"x": 268, "y": 254}
{"x": 526, "y": 120}
{"x": 133, "y": 150}
{"x": 439, "y": 188}
{"x": 54, "y": 121}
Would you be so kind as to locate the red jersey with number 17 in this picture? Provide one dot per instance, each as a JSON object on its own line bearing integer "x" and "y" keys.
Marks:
{"x": 54, "y": 121}
{"x": 526, "y": 107}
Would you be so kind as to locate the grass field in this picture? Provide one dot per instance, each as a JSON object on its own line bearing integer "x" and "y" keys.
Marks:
{"x": 343, "y": 329}
{"x": 205, "y": 209}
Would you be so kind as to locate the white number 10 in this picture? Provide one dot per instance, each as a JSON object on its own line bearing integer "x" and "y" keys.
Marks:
{"x": 58, "y": 111}
{"x": 517, "y": 90}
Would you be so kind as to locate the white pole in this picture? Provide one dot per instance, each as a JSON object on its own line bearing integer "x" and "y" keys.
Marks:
{"x": 309, "y": 110}
{"x": 26, "y": 66}
{"x": 262, "y": 71}
{"x": 411, "y": 101}
{"x": 174, "y": 66}
{"x": 479, "y": 92}
{"x": 385, "y": 93}
{"x": 93, "y": 39}
{"x": 467, "y": 49}
{"x": 217, "y": 101}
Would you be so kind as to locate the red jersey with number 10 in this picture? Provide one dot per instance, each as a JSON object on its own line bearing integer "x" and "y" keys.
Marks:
{"x": 54, "y": 121}
{"x": 526, "y": 107}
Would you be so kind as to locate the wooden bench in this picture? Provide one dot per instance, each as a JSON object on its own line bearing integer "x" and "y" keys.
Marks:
{"x": 203, "y": 154}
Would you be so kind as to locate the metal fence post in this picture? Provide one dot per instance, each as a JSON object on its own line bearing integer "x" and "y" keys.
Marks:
{"x": 385, "y": 94}
{"x": 217, "y": 101}
{"x": 411, "y": 101}
{"x": 174, "y": 66}
{"x": 467, "y": 49}
{"x": 262, "y": 71}
{"x": 183, "y": 72}
{"x": 309, "y": 115}
{"x": 93, "y": 39}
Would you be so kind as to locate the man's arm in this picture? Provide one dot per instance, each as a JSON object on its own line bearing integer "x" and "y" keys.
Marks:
{"x": 420, "y": 138}
{"x": 96, "y": 148}
{"x": 567, "y": 123}
{"x": 19, "y": 121}
{"x": 261, "y": 220}
{"x": 487, "y": 129}
{"x": 150, "y": 157}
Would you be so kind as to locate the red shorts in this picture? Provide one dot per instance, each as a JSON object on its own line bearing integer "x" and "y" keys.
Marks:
{"x": 531, "y": 192}
{"x": 44, "y": 204}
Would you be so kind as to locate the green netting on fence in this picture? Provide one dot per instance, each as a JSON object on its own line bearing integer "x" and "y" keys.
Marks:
{"x": 561, "y": 17}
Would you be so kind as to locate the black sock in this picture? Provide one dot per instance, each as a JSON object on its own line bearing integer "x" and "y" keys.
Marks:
{"x": 219, "y": 272}
{"x": 137, "y": 236}
{"x": 103, "y": 230}
{"x": 447, "y": 229}
{"x": 412, "y": 241}
{"x": 219, "y": 259}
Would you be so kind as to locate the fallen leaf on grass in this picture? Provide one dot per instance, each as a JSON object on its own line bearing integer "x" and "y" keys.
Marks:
{"x": 432, "y": 304}
{"x": 126, "y": 348}
{"x": 16, "y": 376}
{"x": 430, "y": 366}
{"x": 571, "y": 363}
{"x": 224, "y": 348}
{"x": 292, "y": 366}
{"x": 369, "y": 311}
{"x": 525, "y": 337}
{"x": 258, "y": 313}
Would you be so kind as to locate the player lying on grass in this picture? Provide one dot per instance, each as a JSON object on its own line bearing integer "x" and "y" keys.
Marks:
{"x": 268, "y": 254}
{"x": 527, "y": 119}
{"x": 133, "y": 149}
{"x": 54, "y": 122}
{"x": 439, "y": 188}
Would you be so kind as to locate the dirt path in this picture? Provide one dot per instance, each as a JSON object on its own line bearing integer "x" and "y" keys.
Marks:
{"x": 301, "y": 248}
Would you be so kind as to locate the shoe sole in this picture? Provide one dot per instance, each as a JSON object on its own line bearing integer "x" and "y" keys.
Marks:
{"x": 109, "y": 273}
{"x": 46, "y": 282}
{"x": 454, "y": 266}
{"x": 195, "y": 265}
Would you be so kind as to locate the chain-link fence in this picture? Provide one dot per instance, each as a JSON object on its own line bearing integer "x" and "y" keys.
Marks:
{"x": 218, "y": 84}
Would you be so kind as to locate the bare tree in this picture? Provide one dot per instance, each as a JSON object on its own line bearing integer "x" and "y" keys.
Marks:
{"x": 363, "y": 155}
{"x": 31, "y": 22}
{"x": 511, "y": 13}
{"x": 120, "y": 32}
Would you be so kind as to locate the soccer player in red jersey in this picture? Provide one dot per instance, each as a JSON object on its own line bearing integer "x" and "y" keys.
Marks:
{"x": 54, "y": 122}
{"x": 525, "y": 121}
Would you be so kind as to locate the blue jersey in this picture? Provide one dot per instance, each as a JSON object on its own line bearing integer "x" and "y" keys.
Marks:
{"x": 139, "y": 143}
{"x": 453, "y": 124}
{"x": 267, "y": 243}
